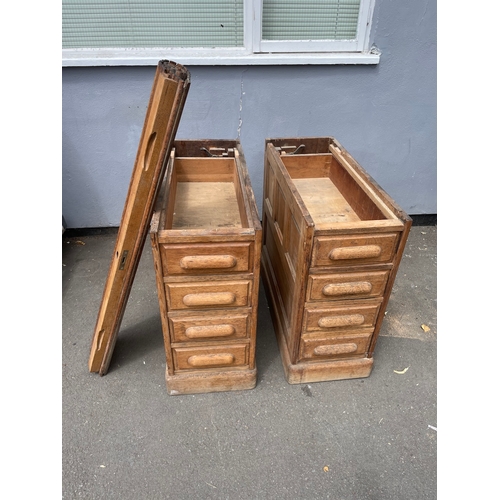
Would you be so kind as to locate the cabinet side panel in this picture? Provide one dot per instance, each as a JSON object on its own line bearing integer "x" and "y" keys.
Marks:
{"x": 162, "y": 299}
{"x": 284, "y": 279}
{"x": 288, "y": 244}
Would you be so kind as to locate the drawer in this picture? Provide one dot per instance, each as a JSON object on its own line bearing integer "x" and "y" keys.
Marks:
{"x": 208, "y": 327}
{"x": 340, "y": 318}
{"x": 215, "y": 294}
{"x": 346, "y": 285}
{"x": 202, "y": 358}
{"x": 345, "y": 346}
{"x": 210, "y": 258}
{"x": 348, "y": 250}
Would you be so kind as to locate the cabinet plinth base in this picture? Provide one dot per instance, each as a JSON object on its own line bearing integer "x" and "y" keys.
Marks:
{"x": 322, "y": 371}
{"x": 197, "y": 383}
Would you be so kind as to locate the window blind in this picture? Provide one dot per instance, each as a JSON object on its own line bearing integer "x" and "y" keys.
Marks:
{"x": 310, "y": 19}
{"x": 153, "y": 23}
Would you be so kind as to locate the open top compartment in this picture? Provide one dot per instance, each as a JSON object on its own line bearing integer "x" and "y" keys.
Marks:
{"x": 206, "y": 190}
{"x": 333, "y": 188}
{"x": 207, "y": 194}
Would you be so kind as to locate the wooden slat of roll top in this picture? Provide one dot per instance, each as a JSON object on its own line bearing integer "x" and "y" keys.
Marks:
{"x": 169, "y": 92}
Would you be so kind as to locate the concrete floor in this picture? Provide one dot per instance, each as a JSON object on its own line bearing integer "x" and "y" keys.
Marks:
{"x": 125, "y": 438}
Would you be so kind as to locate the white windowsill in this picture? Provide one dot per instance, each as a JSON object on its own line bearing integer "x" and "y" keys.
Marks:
{"x": 134, "y": 57}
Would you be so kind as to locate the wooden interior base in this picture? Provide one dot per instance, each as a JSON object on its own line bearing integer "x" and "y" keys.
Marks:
{"x": 324, "y": 201}
{"x": 200, "y": 205}
{"x": 197, "y": 383}
{"x": 163, "y": 113}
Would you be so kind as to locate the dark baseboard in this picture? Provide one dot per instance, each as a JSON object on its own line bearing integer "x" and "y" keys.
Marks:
{"x": 89, "y": 231}
{"x": 418, "y": 220}
{"x": 424, "y": 219}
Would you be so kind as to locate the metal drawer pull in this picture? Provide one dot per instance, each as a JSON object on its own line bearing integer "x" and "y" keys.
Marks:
{"x": 197, "y": 332}
{"x": 362, "y": 252}
{"x": 331, "y": 350}
{"x": 354, "y": 288}
{"x": 209, "y": 299}
{"x": 336, "y": 321}
{"x": 208, "y": 262}
{"x": 211, "y": 359}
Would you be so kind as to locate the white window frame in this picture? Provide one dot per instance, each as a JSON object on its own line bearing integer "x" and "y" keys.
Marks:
{"x": 255, "y": 51}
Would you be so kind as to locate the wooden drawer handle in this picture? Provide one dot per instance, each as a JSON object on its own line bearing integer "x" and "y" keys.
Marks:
{"x": 336, "y": 321}
{"x": 354, "y": 288}
{"x": 210, "y": 359}
{"x": 331, "y": 350}
{"x": 198, "y": 332}
{"x": 362, "y": 252}
{"x": 208, "y": 262}
{"x": 209, "y": 299}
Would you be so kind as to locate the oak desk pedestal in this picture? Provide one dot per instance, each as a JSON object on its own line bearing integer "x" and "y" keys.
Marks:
{"x": 206, "y": 238}
{"x": 332, "y": 244}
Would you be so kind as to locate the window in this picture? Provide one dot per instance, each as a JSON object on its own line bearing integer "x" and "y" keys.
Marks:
{"x": 141, "y": 32}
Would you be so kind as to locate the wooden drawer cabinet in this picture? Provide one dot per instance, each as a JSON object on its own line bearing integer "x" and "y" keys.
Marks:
{"x": 332, "y": 244}
{"x": 206, "y": 238}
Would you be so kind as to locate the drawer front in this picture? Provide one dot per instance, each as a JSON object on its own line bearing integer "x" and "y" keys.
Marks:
{"x": 214, "y": 295}
{"x": 349, "y": 250}
{"x": 341, "y": 318}
{"x": 206, "y": 357}
{"x": 346, "y": 285}
{"x": 346, "y": 346}
{"x": 210, "y": 258}
{"x": 208, "y": 327}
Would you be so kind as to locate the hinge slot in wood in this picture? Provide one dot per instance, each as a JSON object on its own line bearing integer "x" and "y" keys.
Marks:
{"x": 123, "y": 259}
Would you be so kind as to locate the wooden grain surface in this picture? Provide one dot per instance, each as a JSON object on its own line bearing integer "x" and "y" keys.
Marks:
{"x": 205, "y": 204}
{"x": 170, "y": 88}
{"x": 324, "y": 201}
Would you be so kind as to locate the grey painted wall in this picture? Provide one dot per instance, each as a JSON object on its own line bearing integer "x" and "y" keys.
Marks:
{"x": 384, "y": 115}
